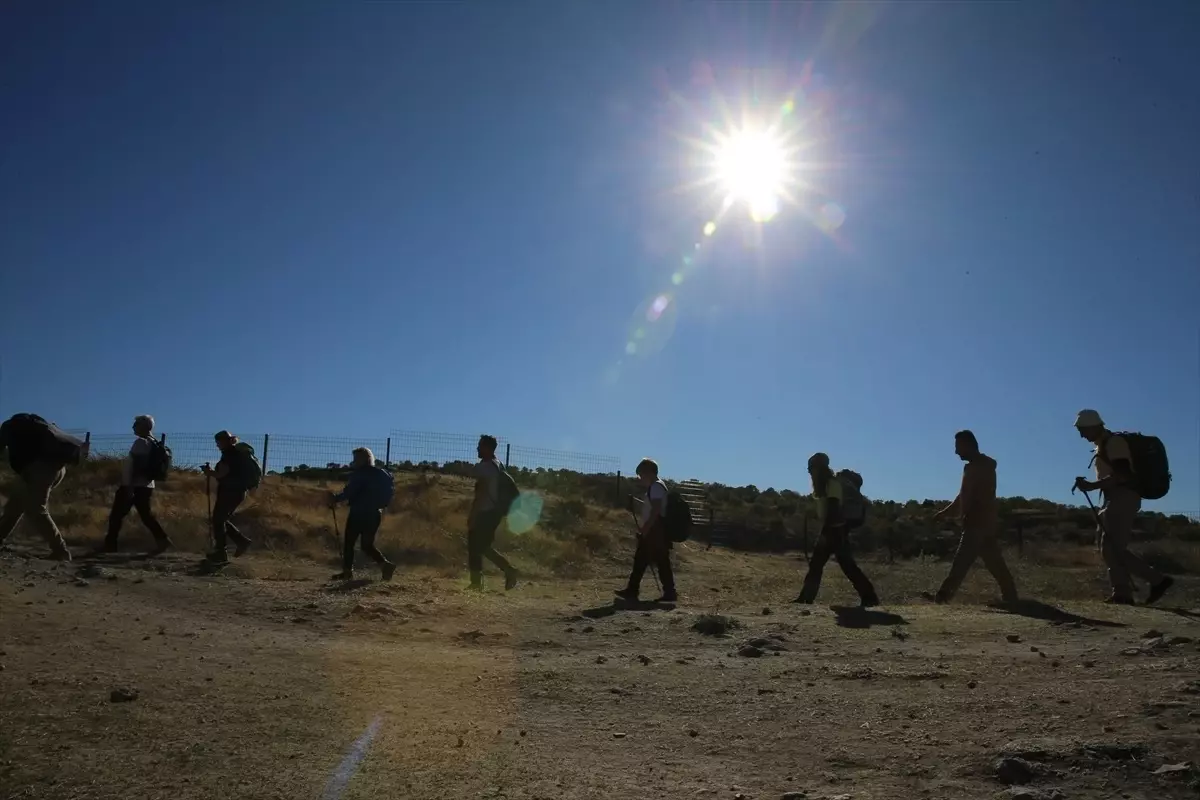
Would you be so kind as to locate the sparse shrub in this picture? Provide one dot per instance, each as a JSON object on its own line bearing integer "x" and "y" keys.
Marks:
{"x": 715, "y": 624}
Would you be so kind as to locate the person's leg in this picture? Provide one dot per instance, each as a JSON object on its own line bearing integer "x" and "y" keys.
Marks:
{"x": 661, "y": 551}
{"x": 370, "y": 527}
{"x": 1114, "y": 544}
{"x": 476, "y": 544}
{"x": 143, "y": 498}
{"x": 349, "y": 540}
{"x": 240, "y": 540}
{"x": 964, "y": 558}
{"x": 14, "y": 508}
{"x": 40, "y": 480}
{"x": 822, "y": 550}
{"x": 993, "y": 559}
{"x": 493, "y": 524}
{"x": 862, "y": 584}
{"x": 641, "y": 560}
{"x": 122, "y": 502}
{"x": 222, "y": 508}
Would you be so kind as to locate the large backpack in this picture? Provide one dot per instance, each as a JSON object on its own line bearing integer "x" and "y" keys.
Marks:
{"x": 854, "y": 505}
{"x": 158, "y": 462}
{"x": 507, "y": 490}
{"x": 383, "y": 487}
{"x": 1150, "y": 466}
{"x": 677, "y": 518}
{"x": 46, "y": 440}
{"x": 250, "y": 468}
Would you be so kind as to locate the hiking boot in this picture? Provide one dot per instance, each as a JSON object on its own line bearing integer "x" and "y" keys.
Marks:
{"x": 343, "y": 576}
{"x": 511, "y": 579}
{"x": 869, "y": 602}
{"x": 217, "y": 557}
{"x": 387, "y": 571}
{"x": 103, "y": 550}
{"x": 1159, "y": 589}
{"x": 241, "y": 547}
{"x": 161, "y": 546}
{"x": 474, "y": 587}
{"x": 933, "y": 598}
{"x": 668, "y": 597}
{"x": 1119, "y": 601}
{"x": 629, "y": 595}
{"x": 60, "y": 553}
{"x": 802, "y": 600}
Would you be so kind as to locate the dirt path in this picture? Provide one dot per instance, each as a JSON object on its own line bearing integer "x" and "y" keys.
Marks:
{"x": 260, "y": 689}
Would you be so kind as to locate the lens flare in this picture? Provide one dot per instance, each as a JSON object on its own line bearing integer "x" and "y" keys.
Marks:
{"x": 753, "y": 167}
{"x": 710, "y": 228}
{"x": 657, "y": 307}
{"x": 525, "y": 512}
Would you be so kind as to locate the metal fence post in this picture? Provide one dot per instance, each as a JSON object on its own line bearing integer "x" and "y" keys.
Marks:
{"x": 387, "y": 453}
{"x": 266, "y": 442}
{"x": 617, "y": 500}
{"x": 507, "y": 452}
{"x": 87, "y": 445}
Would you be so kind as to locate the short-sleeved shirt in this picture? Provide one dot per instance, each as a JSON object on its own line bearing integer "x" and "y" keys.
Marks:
{"x": 657, "y": 491}
{"x": 833, "y": 490}
{"x": 139, "y": 452}
{"x": 487, "y": 485}
{"x": 1110, "y": 449}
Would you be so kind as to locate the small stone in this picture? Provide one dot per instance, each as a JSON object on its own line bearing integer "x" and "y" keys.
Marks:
{"x": 971, "y": 684}
{"x": 749, "y": 651}
{"x": 1173, "y": 769}
{"x": 80, "y": 582}
{"x": 794, "y": 796}
{"x": 123, "y": 695}
{"x": 1013, "y": 771}
{"x": 1174, "y": 640}
{"x": 1013, "y": 638}
{"x": 693, "y": 733}
{"x": 644, "y": 659}
{"x": 601, "y": 660}
{"x": 523, "y": 733}
{"x": 1033, "y": 648}
{"x": 1152, "y": 634}
{"x": 588, "y": 629}
{"x": 805, "y": 612}
{"x": 766, "y": 612}
{"x": 618, "y": 736}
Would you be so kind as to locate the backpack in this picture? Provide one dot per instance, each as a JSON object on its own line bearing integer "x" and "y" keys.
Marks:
{"x": 1150, "y": 465}
{"x": 677, "y": 517}
{"x": 383, "y": 488}
{"x": 47, "y": 441}
{"x": 158, "y": 462}
{"x": 250, "y": 469}
{"x": 854, "y": 505}
{"x": 506, "y": 490}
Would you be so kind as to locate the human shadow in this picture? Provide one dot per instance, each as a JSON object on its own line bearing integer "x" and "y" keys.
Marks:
{"x": 1189, "y": 613}
{"x": 859, "y": 617}
{"x": 1036, "y": 609}
{"x": 608, "y": 609}
{"x": 115, "y": 559}
{"x": 348, "y": 586}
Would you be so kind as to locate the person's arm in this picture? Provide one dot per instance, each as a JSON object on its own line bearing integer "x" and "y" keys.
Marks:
{"x": 139, "y": 457}
{"x": 1115, "y": 453}
{"x": 4, "y": 431}
{"x": 971, "y": 494}
{"x": 354, "y": 487}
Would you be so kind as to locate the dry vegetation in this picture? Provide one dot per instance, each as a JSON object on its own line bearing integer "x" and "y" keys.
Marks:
{"x": 133, "y": 677}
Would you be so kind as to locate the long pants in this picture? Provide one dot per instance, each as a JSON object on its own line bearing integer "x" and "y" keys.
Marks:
{"x": 481, "y": 534}
{"x": 31, "y": 496}
{"x": 836, "y": 543}
{"x": 227, "y": 502}
{"x": 1117, "y": 519}
{"x": 361, "y": 526}
{"x": 653, "y": 548}
{"x": 126, "y": 499}
{"x": 978, "y": 542}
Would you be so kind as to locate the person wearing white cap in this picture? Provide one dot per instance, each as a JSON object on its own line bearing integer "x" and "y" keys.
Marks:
{"x": 1121, "y": 503}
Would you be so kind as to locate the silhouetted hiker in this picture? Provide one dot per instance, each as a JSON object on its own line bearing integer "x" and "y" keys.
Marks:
{"x": 494, "y": 493}
{"x": 368, "y": 491}
{"x": 1117, "y": 477}
{"x": 653, "y": 545}
{"x": 39, "y": 452}
{"x": 147, "y": 461}
{"x": 834, "y": 537}
{"x": 979, "y": 511}
{"x": 237, "y": 472}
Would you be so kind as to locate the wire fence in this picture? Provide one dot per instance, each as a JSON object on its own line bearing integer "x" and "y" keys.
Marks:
{"x": 285, "y": 454}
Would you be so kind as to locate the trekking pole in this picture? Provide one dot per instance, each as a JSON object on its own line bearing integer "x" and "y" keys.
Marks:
{"x": 1095, "y": 515}
{"x": 208, "y": 504}
{"x": 337, "y": 535}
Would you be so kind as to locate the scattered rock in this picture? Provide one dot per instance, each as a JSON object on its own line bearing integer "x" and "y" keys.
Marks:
{"x": 1152, "y": 634}
{"x": 618, "y": 736}
{"x": 1033, "y": 648}
{"x": 1014, "y": 638}
{"x": 804, "y": 612}
{"x": 749, "y": 651}
{"x": 123, "y": 694}
{"x": 1132, "y": 651}
{"x": 1174, "y": 640}
{"x": 1156, "y": 643}
{"x": 715, "y": 624}
{"x": 1029, "y": 793}
{"x": 1013, "y": 771}
{"x": 971, "y": 684}
{"x": 794, "y": 796}
{"x": 693, "y": 733}
{"x": 1173, "y": 769}
{"x": 899, "y": 633}
{"x": 81, "y": 582}
{"x": 1116, "y": 751}
{"x": 93, "y": 571}
{"x": 644, "y": 659}
{"x": 601, "y": 660}
{"x": 588, "y": 629}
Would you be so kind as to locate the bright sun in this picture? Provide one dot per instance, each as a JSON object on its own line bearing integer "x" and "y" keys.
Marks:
{"x": 752, "y": 166}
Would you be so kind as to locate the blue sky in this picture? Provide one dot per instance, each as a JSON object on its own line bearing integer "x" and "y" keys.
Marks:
{"x": 343, "y": 218}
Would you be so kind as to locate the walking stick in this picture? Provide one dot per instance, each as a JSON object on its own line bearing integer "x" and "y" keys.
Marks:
{"x": 208, "y": 502}
{"x": 1096, "y": 515}
{"x": 653, "y": 569}
{"x": 336, "y": 533}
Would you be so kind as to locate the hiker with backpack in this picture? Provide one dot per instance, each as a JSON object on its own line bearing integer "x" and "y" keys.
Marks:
{"x": 368, "y": 491}
{"x": 495, "y": 492}
{"x": 979, "y": 511}
{"x": 1130, "y": 467}
{"x": 39, "y": 452}
{"x": 148, "y": 461}
{"x": 831, "y": 491}
{"x": 237, "y": 472}
{"x": 653, "y": 541}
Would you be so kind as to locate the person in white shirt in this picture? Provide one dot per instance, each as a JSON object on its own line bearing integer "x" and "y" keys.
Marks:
{"x": 136, "y": 490}
{"x": 653, "y": 544}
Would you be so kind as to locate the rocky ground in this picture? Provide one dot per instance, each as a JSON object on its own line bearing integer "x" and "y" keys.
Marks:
{"x": 145, "y": 679}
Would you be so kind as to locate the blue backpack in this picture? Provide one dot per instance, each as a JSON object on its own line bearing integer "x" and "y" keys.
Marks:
{"x": 383, "y": 487}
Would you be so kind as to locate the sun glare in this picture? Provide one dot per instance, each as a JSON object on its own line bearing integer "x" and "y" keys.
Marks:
{"x": 752, "y": 166}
